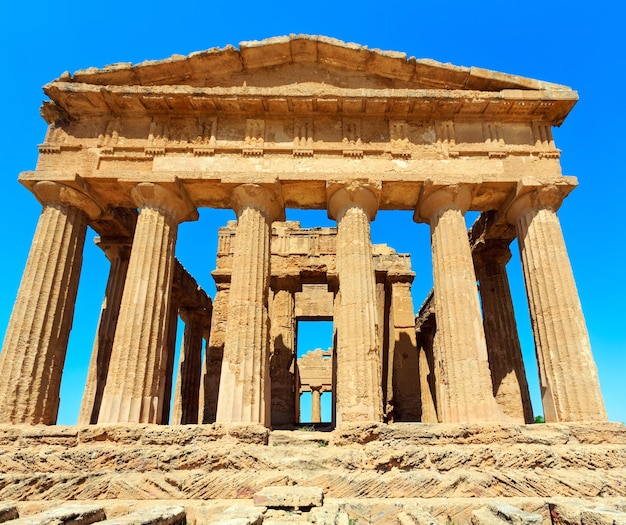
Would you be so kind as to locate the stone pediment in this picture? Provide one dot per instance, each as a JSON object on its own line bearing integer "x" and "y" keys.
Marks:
{"x": 304, "y": 75}
{"x": 303, "y": 59}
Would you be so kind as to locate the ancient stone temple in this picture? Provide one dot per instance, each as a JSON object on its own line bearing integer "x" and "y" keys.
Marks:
{"x": 430, "y": 413}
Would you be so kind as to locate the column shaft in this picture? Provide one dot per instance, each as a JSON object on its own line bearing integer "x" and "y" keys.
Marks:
{"x": 212, "y": 367}
{"x": 428, "y": 387}
{"x": 569, "y": 379}
{"x": 508, "y": 375}
{"x": 462, "y": 367}
{"x": 244, "y": 383}
{"x": 166, "y": 372}
{"x": 35, "y": 344}
{"x": 103, "y": 343}
{"x": 316, "y": 406}
{"x": 135, "y": 386}
{"x": 358, "y": 386}
{"x": 404, "y": 358}
{"x": 282, "y": 345}
{"x": 189, "y": 370}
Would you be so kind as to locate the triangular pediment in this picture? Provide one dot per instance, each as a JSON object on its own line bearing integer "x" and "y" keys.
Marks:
{"x": 304, "y": 60}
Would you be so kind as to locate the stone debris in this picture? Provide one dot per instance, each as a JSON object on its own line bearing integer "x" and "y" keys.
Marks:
{"x": 151, "y": 516}
{"x": 289, "y": 497}
{"x": 239, "y": 515}
{"x": 416, "y": 517}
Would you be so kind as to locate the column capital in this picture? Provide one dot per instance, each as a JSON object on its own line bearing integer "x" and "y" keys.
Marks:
{"x": 434, "y": 199}
{"x": 171, "y": 198}
{"x": 363, "y": 194}
{"x": 491, "y": 251}
{"x": 261, "y": 198}
{"x": 531, "y": 195}
{"x": 51, "y": 193}
{"x": 114, "y": 247}
{"x": 291, "y": 282}
{"x": 199, "y": 316}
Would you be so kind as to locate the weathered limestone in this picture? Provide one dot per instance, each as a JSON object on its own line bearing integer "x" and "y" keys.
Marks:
{"x": 33, "y": 353}
{"x": 244, "y": 382}
{"x": 139, "y": 355}
{"x": 508, "y": 375}
{"x": 403, "y": 356}
{"x": 118, "y": 253}
{"x": 463, "y": 377}
{"x": 212, "y": 366}
{"x": 187, "y": 393}
{"x": 293, "y": 497}
{"x": 358, "y": 387}
{"x": 282, "y": 351}
{"x": 561, "y": 338}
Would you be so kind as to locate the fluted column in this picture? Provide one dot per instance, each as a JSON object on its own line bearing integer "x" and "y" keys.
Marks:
{"x": 462, "y": 367}
{"x": 316, "y": 405}
{"x": 282, "y": 351}
{"x": 568, "y": 376}
{"x": 508, "y": 376}
{"x": 212, "y": 366}
{"x": 187, "y": 391}
{"x": 166, "y": 371}
{"x": 358, "y": 386}
{"x": 244, "y": 383}
{"x": 118, "y": 253}
{"x": 139, "y": 355}
{"x": 428, "y": 387}
{"x": 35, "y": 344}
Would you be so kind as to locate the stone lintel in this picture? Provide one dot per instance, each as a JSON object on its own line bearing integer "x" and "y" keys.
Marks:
{"x": 286, "y": 281}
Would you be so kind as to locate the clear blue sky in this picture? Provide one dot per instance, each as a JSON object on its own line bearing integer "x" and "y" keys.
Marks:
{"x": 580, "y": 44}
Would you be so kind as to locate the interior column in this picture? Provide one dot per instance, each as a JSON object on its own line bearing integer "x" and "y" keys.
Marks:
{"x": 508, "y": 376}
{"x": 118, "y": 253}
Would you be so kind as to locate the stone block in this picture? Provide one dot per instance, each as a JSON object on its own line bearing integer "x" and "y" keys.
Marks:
{"x": 416, "y": 517}
{"x": 75, "y": 514}
{"x": 239, "y": 515}
{"x": 151, "y": 516}
{"x": 289, "y": 496}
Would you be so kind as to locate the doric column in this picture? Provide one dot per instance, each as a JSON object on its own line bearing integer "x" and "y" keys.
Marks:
{"x": 118, "y": 253}
{"x": 187, "y": 391}
{"x": 358, "y": 386}
{"x": 244, "y": 383}
{"x": 139, "y": 355}
{"x": 166, "y": 371}
{"x": 428, "y": 387}
{"x": 35, "y": 344}
{"x": 463, "y": 376}
{"x": 282, "y": 351}
{"x": 403, "y": 355}
{"x": 213, "y": 356}
{"x": 508, "y": 375}
{"x": 316, "y": 406}
{"x": 568, "y": 376}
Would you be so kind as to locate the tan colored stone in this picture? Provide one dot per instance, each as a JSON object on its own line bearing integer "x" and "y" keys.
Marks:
{"x": 463, "y": 377}
{"x": 561, "y": 337}
{"x": 297, "y": 497}
{"x": 244, "y": 383}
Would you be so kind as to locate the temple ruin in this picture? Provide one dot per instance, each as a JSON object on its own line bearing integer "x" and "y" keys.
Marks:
{"x": 132, "y": 151}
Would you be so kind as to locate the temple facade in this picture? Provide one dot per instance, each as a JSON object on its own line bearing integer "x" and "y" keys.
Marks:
{"x": 132, "y": 151}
